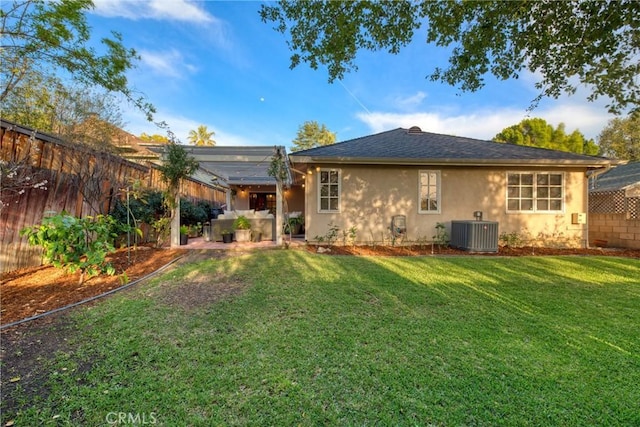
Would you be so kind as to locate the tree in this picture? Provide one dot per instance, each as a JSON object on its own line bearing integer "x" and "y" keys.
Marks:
{"x": 155, "y": 138}
{"x": 55, "y": 35}
{"x": 202, "y": 136}
{"x": 76, "y": 114}
{"x": 621, "y": 138}
{"x": 176, "y": 166}
{"x": 596, "y": 41}
{"x": 311, "y": 134}
{"x": 537, "y": 132}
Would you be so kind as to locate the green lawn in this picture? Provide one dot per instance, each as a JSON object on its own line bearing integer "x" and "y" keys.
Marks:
{"x": 329, "y": 340}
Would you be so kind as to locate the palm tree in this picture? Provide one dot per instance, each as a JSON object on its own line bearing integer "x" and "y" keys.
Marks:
{"x": 202, "y": 136}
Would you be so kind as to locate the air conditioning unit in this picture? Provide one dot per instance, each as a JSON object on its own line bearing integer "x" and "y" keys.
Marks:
{"x": 475, "y": 236}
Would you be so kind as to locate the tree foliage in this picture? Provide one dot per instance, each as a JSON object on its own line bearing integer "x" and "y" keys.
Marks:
{"x": 537, "y": 132}
{"x": 155, "y": 138}
{"x": 76, "y": 114}
{"x": 621, "y": 138}
{"x": 177, "y": 165}
{"x": 201, "y": 136}
{"x": 54, "y": 35}
{"x": 567, "y": 43}
{"x": 311, "y": 134}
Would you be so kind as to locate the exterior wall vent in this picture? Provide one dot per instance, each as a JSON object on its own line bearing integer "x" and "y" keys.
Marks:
{"x": 475, "y": 236}
{"x": 414, "y": 130}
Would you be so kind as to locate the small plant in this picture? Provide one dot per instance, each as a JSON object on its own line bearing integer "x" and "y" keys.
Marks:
{"x": 162, "y": 228}
{"x": 291, "y": 225}
{"x": 441, "y": 238}
{"x": 511, "y": 240}
{"x": 349, "y": 236}
{"x": 332, "y": 234}
{"x": 241, "y": 223}
{"x": 184, "y": 230}
{"x": 195, "y": 230}
{"x": 76, "y": 244}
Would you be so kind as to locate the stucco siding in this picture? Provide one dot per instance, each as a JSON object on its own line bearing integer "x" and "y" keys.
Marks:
{"x": 371, "y": 195}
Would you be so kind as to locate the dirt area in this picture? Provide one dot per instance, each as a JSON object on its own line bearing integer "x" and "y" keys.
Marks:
{"x": 31, "y": 291}
{"x": 417, "y": 250}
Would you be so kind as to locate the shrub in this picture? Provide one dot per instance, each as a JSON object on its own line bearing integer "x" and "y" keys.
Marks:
{"x": 441, "y": 238}
{"x": 76, "y": 243}
{"x": 511, "y": 240}
{"x": 241, "y": 223}
{"x": 145, "y": 209}
{"x": 193, "y": 213}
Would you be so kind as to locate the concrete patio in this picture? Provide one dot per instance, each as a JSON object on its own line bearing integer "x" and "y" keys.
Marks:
{"x": 199, "y": 243}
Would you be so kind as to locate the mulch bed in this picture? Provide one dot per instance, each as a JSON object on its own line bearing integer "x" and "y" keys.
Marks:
{"x": 32, "y": 291}
{"x": 424, "y": 250}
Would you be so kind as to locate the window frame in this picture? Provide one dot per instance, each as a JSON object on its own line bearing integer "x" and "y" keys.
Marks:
{"x": 329, "y": 197}
{"x": 438, "y": 186}
{"x": 536, "y": 188}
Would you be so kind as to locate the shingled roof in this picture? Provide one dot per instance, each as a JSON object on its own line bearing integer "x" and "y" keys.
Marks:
{"x": 413, "y": 146}
{"x": 247, "y": 165}
{"x": 618, "y": 178}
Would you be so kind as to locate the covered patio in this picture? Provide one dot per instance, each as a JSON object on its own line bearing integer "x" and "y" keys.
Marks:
{"x": 243, "y": 173}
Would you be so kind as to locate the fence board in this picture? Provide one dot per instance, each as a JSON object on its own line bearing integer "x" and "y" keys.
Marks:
{"x": 62, "y": 165}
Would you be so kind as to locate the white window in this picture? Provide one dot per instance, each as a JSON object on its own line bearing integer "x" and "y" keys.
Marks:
{"x": 535, "y": 192}
{"x": 429, "y": 188}
{"x": 329, "y": 190}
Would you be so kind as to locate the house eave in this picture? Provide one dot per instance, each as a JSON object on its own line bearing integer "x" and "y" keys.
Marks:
{"x": 588, "y": 163}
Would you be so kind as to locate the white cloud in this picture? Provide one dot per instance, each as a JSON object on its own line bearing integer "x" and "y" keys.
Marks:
{"x": 588, "y": 118}
{"x": 480, "y": 124}
{"x": 173, "y": 10}
{"x": 169, "y": 63}
{"x": 410, "y": 102}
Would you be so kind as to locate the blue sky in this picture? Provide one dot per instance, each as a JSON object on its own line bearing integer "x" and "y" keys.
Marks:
{"x": 218, "y": 64}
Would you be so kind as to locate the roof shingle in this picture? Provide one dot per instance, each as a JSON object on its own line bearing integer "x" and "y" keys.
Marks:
{"x": 402, "y": 145}
{"x": 618, "y": 178}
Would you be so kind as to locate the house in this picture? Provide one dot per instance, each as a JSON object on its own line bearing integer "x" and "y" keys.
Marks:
{"x": 430, "y": 179}
{"x": 614, "y": 207}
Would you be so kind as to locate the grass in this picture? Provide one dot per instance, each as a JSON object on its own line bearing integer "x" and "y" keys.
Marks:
{"x": 320, "y": 340}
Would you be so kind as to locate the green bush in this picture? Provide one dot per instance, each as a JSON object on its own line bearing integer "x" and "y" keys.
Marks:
{"x": 76, "y": 243}
{"x": 193, "y": 213}
{"x": 241, "y": 223}
{"x": 146, "y": 208}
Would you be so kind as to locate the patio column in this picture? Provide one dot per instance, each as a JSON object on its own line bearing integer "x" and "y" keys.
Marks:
{"x": 227, "y": 200}
{"x": 175, "y": 224}
{"x": 279, "y": 214}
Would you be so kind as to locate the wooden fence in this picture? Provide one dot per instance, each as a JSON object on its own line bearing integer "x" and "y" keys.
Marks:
{"x": 54, "y": 175}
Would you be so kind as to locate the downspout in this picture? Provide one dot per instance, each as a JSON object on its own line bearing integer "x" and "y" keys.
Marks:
{"x": 596, "y": 173}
